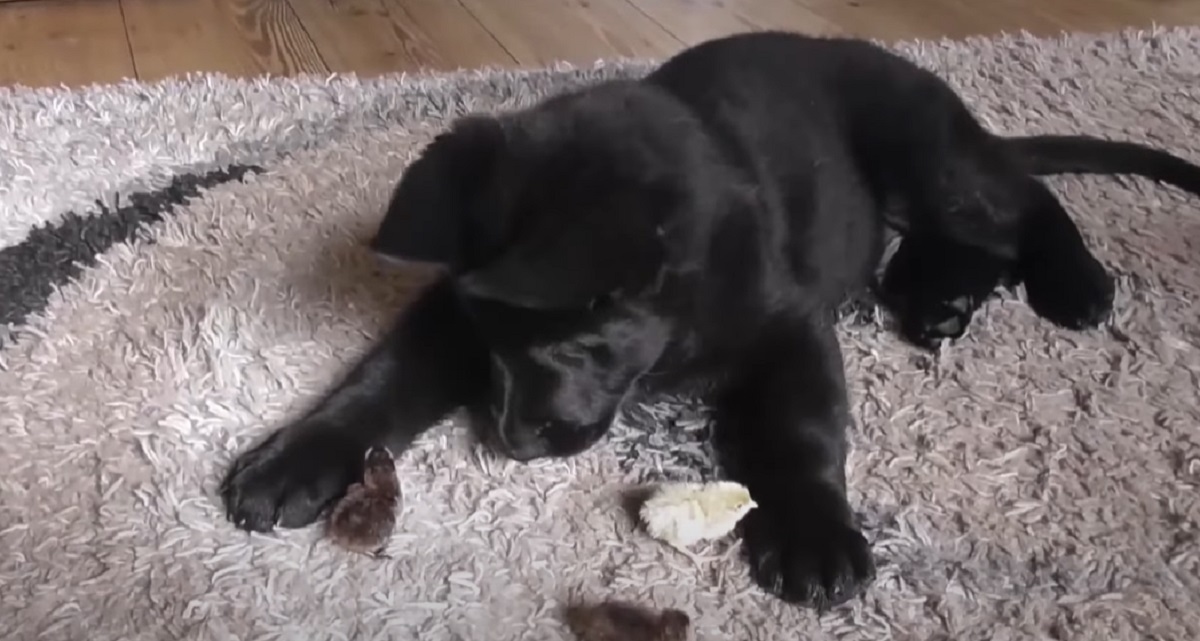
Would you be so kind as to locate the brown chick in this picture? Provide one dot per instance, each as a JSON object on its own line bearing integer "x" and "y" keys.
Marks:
{"x": 617, "y": 621}
{"x": 363, "y": 520}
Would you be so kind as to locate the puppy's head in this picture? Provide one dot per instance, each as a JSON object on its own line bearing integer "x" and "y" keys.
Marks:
{"x": 560, "y": 225}
{"x": 438, "y": 211}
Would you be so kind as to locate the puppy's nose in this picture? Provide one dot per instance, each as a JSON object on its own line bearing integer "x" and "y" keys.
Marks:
{"x": 389, "y": 260}
{"x": 525, "y": 452}
{"x": 523, "y": 443}
{"x": 525, "y": 455}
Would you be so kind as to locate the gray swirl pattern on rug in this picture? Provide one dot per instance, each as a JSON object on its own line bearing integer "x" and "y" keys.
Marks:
{"x": 1025, "y": 483}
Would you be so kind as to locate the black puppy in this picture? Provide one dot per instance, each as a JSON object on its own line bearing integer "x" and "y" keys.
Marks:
{"x": 700, "y": 224}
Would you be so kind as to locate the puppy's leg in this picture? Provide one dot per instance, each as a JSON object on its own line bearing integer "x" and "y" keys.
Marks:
{"x": 780, "y": 430}
{"x": 428, "y": 364}
{"x": 934, "y": 286}
{"x": 1064, "y": 282}
{"x": 960, "y": 207}
{"x": 972, "y": 230}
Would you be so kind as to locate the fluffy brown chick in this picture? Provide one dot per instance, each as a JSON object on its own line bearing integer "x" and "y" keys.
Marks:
{"x": 363, "y": 520}
{"x": 619, "y": 621}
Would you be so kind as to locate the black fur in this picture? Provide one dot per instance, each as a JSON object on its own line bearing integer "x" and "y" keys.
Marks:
{"x": 701, "y": 224}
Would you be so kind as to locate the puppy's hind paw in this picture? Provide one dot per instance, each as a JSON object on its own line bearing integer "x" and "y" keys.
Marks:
{"x": 1074, "y": 292}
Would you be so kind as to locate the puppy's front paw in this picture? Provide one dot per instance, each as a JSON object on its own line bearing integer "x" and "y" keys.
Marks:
{"x": 1069, "y": 289}
{"x": 289, "y": 479}
{"x": 930, "y": 322}
{"x": 806, "y": 558}
{"x": 934, "y": 288}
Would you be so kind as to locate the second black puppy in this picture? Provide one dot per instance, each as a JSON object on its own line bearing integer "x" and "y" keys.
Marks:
{"x": 698, "y": 225}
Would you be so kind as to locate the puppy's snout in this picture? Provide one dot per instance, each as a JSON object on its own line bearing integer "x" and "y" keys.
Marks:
{"x": 525, "y": 442}
{"x": 391, "y": 262}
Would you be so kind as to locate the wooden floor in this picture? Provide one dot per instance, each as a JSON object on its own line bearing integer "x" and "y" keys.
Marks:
{"x": 84, "y": 41}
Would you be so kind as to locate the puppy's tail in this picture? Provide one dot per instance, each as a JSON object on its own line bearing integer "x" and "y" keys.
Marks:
{"x": 1051, "y": 154}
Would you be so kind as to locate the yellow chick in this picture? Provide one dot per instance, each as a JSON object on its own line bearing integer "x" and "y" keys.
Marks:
{"x": 682, "y": 514}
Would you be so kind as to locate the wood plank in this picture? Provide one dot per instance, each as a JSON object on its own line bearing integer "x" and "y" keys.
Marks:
{"x": 693, "y": 21}
{"x": 69, "y": 42}
{"x": 278, "y": 41}
{"x": 1170, "y": 12}
{"x": 380, "y": 36}
{"x": 539, "y": 32}
{"x": 444, "y": 34}
{"x": 1099, "y": 15}
{"x": 900, "y": 19}
{"x": 172, "y": 37}
{"x": 908, "y": 19}
{"x": 235, "y": 37}
{"x": 82, "y": 41}
{"x": 353, "y": 35}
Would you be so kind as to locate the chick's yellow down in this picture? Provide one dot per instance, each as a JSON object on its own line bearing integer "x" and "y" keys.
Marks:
{"x": 682, "y": 514}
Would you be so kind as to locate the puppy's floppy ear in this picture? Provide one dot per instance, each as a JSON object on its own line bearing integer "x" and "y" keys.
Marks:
{"x": 568, "y": 266}
{"x": 428, "y": 217}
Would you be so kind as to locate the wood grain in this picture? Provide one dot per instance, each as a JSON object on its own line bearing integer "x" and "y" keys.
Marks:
{"x": 170, "y": 37}
{"x": 63, "y": 42}
{"x": 279, "y": 43}
{"x": 693, "y": 21}
{"x": 81, "y": 41}
{"x": 539, "y": 32}
{"x": 382, "y": 36}
{"x": 907, "y": 19}
{"x": 444, "y": 34}
{"x": 352, "y": 35}
{"x": 235, "y": 37}
{"x": 1112, "y": 14}
{"x": 888, "y": 20}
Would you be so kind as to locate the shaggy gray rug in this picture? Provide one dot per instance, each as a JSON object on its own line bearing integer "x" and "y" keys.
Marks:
{"x": 182, "y": 269}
